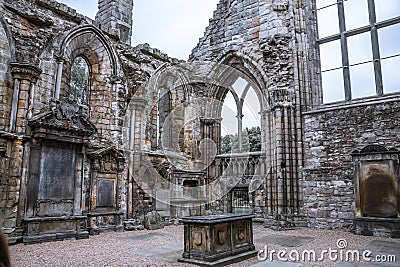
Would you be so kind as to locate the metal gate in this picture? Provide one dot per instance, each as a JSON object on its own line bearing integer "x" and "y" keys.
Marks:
{"x": 240, "y": 200}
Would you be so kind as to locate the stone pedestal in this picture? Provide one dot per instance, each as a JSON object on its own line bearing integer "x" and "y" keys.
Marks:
{"x": 218, "y": 240}
{"x": 105, "y": 222}
{"x": 381, "y": 227}
{"x": 49, "y": 229}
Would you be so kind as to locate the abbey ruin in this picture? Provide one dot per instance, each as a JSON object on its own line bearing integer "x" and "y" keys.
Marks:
{"x": 143, "y": 132}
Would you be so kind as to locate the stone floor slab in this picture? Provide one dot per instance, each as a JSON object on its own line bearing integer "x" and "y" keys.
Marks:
{"x": 173, "y": 251}
{"x": 144, "y": 237}
{"x": 381, "y": 248}
{"x": 286, "y": 241}
{"x": 385, "y": 249}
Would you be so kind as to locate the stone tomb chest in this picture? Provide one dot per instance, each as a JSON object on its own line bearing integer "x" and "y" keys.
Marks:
{"x": 217, "y": 240}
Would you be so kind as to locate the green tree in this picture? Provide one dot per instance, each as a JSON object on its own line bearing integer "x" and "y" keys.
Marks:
{"x": 251, "y": 141}
{"x": 227, "y": 142}
{"x": 79, "y": 81}
{"x": 254, "y": 136}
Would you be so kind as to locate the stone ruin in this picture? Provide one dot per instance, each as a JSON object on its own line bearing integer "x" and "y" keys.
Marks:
{"x": 143, "y": 134}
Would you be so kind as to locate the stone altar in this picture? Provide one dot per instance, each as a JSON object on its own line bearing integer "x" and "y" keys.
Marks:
{"x": 217, "y": 240}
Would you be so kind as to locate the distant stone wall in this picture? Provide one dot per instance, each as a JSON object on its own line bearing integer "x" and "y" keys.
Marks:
{"x": 330, "y": 136}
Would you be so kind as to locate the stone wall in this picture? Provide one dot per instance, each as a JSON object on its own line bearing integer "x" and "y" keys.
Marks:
{"x": 263, "y": 40}
{"x": 34, "y": 92}
{"x": 331, "y": 135}
{"x": 115, "y": 19}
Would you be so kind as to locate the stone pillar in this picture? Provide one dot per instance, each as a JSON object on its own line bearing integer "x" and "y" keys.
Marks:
{"x": 135, "y": 142}
{"x": 121, "y": 194}
{"x": 95, "y": 167}
{"x": 14, "y": 184}
{"x": 282, "y": 186}
{"x": 60, "y": 63}
{"x": 25, "y": 76}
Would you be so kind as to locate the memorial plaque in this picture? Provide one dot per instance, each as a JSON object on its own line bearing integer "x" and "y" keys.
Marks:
{"x": 57, "y": 171}
{"x": 105, "y": 194}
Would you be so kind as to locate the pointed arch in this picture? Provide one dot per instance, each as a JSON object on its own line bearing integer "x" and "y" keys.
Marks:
{"x": 251, "y": 71}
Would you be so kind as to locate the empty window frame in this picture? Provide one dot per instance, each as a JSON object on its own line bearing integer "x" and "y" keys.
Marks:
{"x": 359, "y": 52}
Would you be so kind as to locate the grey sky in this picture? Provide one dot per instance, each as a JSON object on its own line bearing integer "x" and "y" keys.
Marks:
{"x": 173, "y": 26}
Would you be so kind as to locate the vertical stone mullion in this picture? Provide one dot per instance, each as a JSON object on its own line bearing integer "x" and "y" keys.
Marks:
{"x": 60, "y": 63}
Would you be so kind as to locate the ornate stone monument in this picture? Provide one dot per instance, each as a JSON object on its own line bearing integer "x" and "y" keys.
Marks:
{"x": 217, "y": 240}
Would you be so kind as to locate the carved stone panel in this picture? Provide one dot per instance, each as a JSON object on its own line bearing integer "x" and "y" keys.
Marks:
{"x": 106, "y": 193}
{"x": 223, "y": 237}
{"x": 108, "y": 164}
{"x": 217, "y": 240}
{"x": 57, "y": 171}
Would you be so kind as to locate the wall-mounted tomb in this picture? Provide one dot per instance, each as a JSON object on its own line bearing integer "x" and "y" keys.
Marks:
{"x": 377, "y": 194}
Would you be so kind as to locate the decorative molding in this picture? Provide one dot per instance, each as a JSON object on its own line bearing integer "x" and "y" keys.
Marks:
{"x": 64, "y": 117}
{"x": 108, "y": 160}
{"x": 375, "y": 149}
{"x": 25, "y": 71}
{"x": 281, "y": 97}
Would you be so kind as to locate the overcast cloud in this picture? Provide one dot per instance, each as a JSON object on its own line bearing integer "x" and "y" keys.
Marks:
{"x": 173, "y": 26}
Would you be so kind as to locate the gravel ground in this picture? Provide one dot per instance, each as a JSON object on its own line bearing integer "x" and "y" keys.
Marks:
{"x": 117, "y": 249}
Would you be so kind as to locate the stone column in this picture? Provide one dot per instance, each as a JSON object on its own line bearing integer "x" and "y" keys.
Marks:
{"x": 121, "y": 187}
{"x": 25, "y": 76}
{"x": 134, "y": 145}
{"x": 60, "y": 63}
{"x": 284, "y": 177}
{"x": 95, "y": 167}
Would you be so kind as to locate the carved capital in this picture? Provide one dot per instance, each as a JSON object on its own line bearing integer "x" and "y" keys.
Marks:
{"x": 25, "y": 71}
{"x": 209, "y": 121}
{"x": 281, "y": 97}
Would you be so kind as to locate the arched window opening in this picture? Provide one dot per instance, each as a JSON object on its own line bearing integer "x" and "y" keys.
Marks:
{"x": 229, "y": 125}
{"x": 241, "y": 127}
{"x": 251, "y": 122}
{"x": 163, "y": 120}
{"x": 79, "y": 81}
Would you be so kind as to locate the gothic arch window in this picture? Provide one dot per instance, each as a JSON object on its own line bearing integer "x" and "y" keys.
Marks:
{"x": 79, "y": 81}
{"x": 240, "y": 126}
{"x": 164, "y": 107}
{"x": 359, "y": 52}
